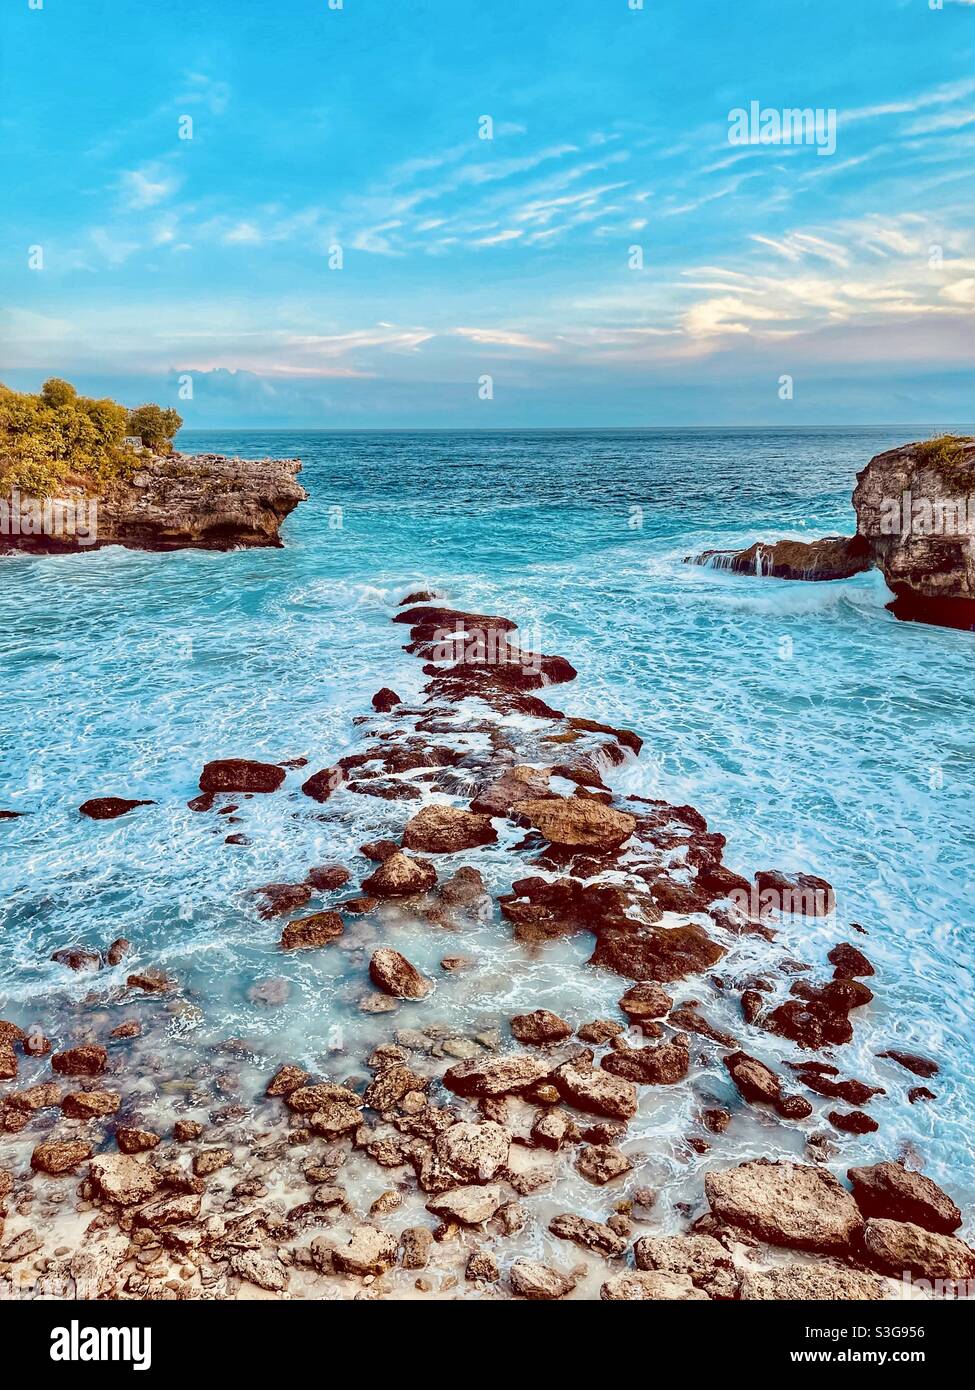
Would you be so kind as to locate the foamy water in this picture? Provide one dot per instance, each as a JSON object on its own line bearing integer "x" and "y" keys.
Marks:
{"x": 811, "y": 728}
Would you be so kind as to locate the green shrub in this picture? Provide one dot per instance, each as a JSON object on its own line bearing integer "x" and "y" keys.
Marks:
{"x": 57, "y": 438}
{"x": 942, "y": 451}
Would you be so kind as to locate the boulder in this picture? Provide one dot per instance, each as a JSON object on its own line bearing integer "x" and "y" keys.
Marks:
{"x": 849, "y": 962}
{"x": 327, "y": 877}
{"x": 900, "y": 1247}
{"x": 912, "y": 1062}
{"x": 591, "y": 1235}
{"x": 241, "y": 775}
{"x": 495, "y": 1076}
{"x": 317, "y": 930}
{"x": 515, "y": 786}
{"x": 647, "y": 1000}
{"x": 127, "y": 1181}
{"x": 57, "y": 1157}
{"x": 703, "y": 1259}
{"x": 256, "y": 1269}
{"x": 636, "y": 1285}
{"x": 540, "y": 1027}
{"x": 577, "y": 822}
{"x": 370, "y": 1251}
{"x": 601, "y": 1163}
{"x": 788, "y": 1204}
{"x": 400, "y": 876}
{"x": 90, "y": 1105}
{"x": 88, "y": 1060}
{"x": 469, "y": 1206}
{"x": 416, "y": 1242}
{"x": 596, "y": 1091}
{"x": 439, "y": 829}
{"x": 391, "y": 1084}
{"x": 892, "y": 1191}
{"x": 664, "y": 954}
{"x": 109, "y": 807}
{"x": 799, "y": 1283}
{"x": 384, "y": 700}
{"x": 651, "y": 1066}
{"x": 532, "y": 1279}
{"x": 394, "y": 975}
{"x": 135, "y": 1141}
{"x": 473, "y": 1153}
{"x": 278, "y": 898}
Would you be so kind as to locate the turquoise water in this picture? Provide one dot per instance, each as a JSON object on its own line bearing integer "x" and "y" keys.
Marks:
{"x": 804, "y": 721}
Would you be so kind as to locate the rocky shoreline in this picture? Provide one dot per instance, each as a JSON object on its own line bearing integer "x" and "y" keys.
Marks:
{"x": 915, "y": 509}
{"x": 171, "y": 502}
{"x": 437, "y": 1163}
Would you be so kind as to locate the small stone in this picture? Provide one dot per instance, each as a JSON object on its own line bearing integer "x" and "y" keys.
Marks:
{"x": 482, "y": 1266}
{"x": 532, "y": 1279}
{"x": 540, "y": 1027}
{"x": 80, "y": 1061}
{"x": 396, "y": 976}
{"x": 56, "y": 1157}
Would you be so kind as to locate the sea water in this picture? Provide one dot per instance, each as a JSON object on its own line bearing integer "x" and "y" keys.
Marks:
{"x": 808, "y": 725}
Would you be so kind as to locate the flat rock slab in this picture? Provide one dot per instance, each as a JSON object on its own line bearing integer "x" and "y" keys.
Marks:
{"x": 790, "y": 1204}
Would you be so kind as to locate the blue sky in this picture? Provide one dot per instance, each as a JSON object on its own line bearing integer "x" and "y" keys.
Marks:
{"x": 853, "y": 272}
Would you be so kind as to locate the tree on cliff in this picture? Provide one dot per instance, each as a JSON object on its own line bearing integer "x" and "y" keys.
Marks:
{"x": 155, "y": 426}
{"x": 57, "y": 438}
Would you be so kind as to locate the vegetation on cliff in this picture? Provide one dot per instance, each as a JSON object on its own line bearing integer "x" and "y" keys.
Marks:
{"x": 58, "y": 439}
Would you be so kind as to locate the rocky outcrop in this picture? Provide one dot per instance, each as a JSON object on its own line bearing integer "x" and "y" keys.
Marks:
{"x": 178, "y": 502}
{"x": 915, "y": 509}
{"x": 892, "y": 1191}
{"x": 833, "y": 557}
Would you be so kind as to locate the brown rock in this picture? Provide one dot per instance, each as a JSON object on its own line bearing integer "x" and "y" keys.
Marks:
{"x": 118, "y": 950}
{"x": 211, "y": 1161}
{"x": 124, "y": 1180}
{"x": 596, "y": 1091}
{"x": 328, "y": 877}
{"x": 186, "y": 1130}
{"x": 540, "y": 1027}
{"x": 391, "y": 1085}
{"x": 599, "y": 1031}
{"x": 849, "y": 962}
{"x": 703, "y": 1259}
{"x": 591, "y": 1235}
{"x": 799, "y": 1283}
{"x": 578, "y": 822}
{"x": 384, "y": 700}
{"x": 241, "y": 775}
{"x": 634, "y": 1285}
{"x": 552, "y": 1129}
{"x": 467, "y": 1205}
{"x": 900, "y": 1247}
{"x": 853, "y": 1121}
{"x": 532, "y": 1279}
{"x": 110, "y": 807}
{"x": 786, "y": 1204}
{"x": 891, "y": 1191}
{"x": 473, "y": 1153}
{"x": 285, "y": 1080}
{"x": 41, "y": 1097}
{"x": 664, "y": 1065}
{"x": 135, "y": 1141}
{"x": 90, "y": 1105}
{"x": 317, "y": 930}
{"x": 515, "y": 786}
{"x": 152, "y": 981}
{"x": 416, "y": 1242}
{"x": 76, "y": 958}
{"x": 305, "y": 1100}
{"x": 278, "y": 898}
{"x": 657, "y": 953}
{"x": 80, "y": 1061}
{"x": 646, "y": 1000}
{"x": 600, "y": 1163}
{"x": 439, "y": 829}
{"x": 494, "y": 1076}
{"x": 912, "y": 1061}
{"x": 57, "y": 1157}
{"x": 400, "y": 876}
{"x": 394, "y": 974}
{"x": 482, "y": 1266}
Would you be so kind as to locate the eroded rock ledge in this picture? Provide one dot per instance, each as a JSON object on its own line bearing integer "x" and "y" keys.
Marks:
{"x": 175, "y": 502}
{"x": 915, "y": 509}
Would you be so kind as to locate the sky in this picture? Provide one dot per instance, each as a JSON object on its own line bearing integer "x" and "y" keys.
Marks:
{"x": 288, "y": 214}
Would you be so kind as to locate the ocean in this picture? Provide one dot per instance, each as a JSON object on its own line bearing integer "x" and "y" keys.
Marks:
{"x": 808, "y": 725}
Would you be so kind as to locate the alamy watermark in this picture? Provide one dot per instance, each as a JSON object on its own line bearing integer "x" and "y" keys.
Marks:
{"x": 59, "y": 518}
{"x": 793, "y": 125}
{"x": 910, "y": 515}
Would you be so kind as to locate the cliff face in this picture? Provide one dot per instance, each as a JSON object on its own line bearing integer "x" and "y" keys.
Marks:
{"x": 173, "y": 502}
{"x": 915, "y": 509}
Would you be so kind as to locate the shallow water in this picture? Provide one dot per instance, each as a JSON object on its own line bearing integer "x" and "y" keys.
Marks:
{"x": 805, "y": 722}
